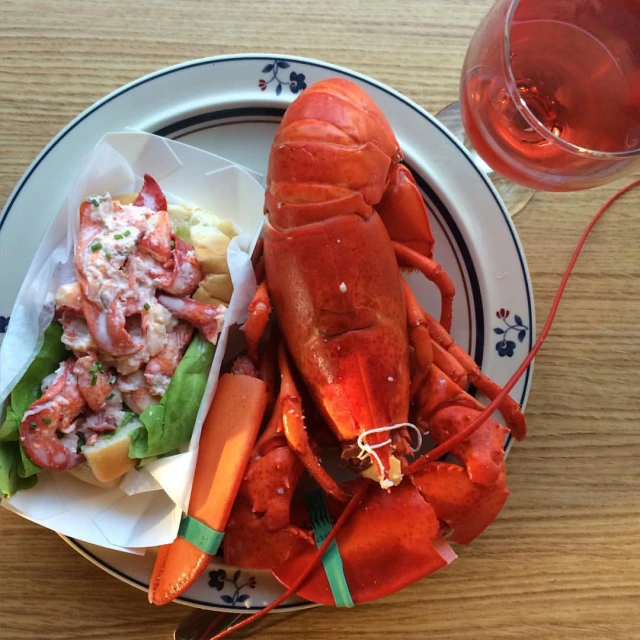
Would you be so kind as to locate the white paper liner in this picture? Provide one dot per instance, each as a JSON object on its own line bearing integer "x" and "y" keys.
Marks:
{"x": 145, "y": 509}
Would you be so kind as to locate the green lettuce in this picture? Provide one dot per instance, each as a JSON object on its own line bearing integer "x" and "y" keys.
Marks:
{"x": 169, "y": 424}
{"x": 10, "y": 480}
{"x": 17, "y": 471}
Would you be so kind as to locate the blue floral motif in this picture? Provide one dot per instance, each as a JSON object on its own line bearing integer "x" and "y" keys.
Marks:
{"x": 4, "y": 323}
{"x": 506, "y": 347}
{"x": 218, "y": 579}
{"x": 296, "y": 82}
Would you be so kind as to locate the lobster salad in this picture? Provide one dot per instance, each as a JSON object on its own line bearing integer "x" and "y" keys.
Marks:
{"x": 123, "y": 366}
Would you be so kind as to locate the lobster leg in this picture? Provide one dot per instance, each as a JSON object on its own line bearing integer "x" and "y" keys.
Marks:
{"x": 445, "y": 409}
{"x": 450, "y": 357}
{"x": 296, "y": 432}
{"x": 434, "y": 272}
{"x": 420, "y": 339}
{"x": 259, "y": 312}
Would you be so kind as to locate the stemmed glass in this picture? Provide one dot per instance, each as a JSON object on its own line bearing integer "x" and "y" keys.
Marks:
{"x": 550, "y": 95}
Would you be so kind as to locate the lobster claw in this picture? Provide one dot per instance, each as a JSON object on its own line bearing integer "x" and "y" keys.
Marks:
{"x": 388, "y": 543}
{"x": 468, "y": 508}
{"x": 482, "y": 453}
{"x": 49, "y": 417}
{"x": 249, "y": 543}
{"x": 258, "y": 531}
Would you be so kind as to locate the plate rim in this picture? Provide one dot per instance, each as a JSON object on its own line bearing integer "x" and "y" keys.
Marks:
{"x": 188, "y": 64}
{"x": 189, "y": 602}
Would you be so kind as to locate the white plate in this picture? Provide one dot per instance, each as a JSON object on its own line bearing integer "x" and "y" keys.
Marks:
{"x": 231, "y": 106}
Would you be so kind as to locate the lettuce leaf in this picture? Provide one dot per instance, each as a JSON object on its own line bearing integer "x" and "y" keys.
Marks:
{"x": 51, "y": 354}
{"x": 10, "y": 480}
{"x": 10, "y": 429}
{"x": 17, "y": 471}
{"x": 169, "y": 424}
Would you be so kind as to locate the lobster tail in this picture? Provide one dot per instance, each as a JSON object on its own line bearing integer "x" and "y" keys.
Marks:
{"x": 334, "y": 147}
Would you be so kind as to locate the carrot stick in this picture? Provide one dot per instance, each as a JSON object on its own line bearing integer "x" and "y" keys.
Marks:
{"x": 228, "y": 435}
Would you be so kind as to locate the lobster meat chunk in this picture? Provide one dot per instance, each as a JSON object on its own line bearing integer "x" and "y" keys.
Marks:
{"x": 93, "y": 381}
{"x": 151, "y": 195}
{"x": 186, "y": 273}
{"x": 206, "y": 317}
{"x": 49, "y": 416}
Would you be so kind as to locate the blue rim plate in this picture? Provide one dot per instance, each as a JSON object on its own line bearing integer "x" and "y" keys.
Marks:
{"x": 231, "y": 105}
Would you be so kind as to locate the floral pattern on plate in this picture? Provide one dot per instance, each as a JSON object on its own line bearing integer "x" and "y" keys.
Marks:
{"x": 218, "y": 580}
{"x": 296, "y": 81}
{"x": 506, "y": 347}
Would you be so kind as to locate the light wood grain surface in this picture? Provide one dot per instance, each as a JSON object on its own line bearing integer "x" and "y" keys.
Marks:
{"x": 563, "y": 559}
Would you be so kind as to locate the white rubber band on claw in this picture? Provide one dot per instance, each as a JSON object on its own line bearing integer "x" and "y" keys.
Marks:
{"x": 369, "y": 449}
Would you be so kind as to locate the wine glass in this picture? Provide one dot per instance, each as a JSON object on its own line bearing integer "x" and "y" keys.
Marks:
{"x": 550, "y": 95}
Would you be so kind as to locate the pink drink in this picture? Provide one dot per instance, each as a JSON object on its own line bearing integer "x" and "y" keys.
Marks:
{"x": 576, "y": 66}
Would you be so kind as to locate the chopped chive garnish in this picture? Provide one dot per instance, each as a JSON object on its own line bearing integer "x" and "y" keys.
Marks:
{"x": 173, "y": 244}
{"x": 94, "y": 379}
{"x": 127, "y": 233}
{"x": 97, "y": 366}
{"x": 96, "y": 247}
{"x": 111, "y": 396}
{"x": 147, "y": 306}
{"x": 33, "y": 424}
{"x": 46, "y": 420}
{"x": 95, "y": 203}
{"x": 118, "y": 236}
{"x": 107, "y": 256}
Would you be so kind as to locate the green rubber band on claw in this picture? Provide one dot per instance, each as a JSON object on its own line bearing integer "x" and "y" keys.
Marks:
{"x": 200, "y": 535}
{"x": 331, "y": 560}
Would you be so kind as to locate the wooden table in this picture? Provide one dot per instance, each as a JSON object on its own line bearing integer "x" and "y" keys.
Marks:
{"x": 563, "y": 559}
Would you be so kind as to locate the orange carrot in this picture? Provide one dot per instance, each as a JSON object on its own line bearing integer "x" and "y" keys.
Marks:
{"x": 228, "y": 435}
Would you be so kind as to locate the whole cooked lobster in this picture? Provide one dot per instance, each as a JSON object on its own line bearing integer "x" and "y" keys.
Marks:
{"x": 351, "y": 362}
{"x": 343, "y": 217}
